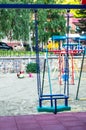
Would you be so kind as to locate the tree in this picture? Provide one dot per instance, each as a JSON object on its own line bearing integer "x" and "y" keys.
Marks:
{"x": 50, "y": 21}
{"x": 14, "y": 23}
{"x": 82, "y": 21}
{"x": 17, "y": 23}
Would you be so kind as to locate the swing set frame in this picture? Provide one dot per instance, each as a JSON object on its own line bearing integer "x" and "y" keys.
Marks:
{"x": 52, "y": 98}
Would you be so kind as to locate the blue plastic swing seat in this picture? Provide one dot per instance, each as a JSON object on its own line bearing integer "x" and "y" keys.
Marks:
{"x": 52, "y": 109}
{"x": 53, "y": 100}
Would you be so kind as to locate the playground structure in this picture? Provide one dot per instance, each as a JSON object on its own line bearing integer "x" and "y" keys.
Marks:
{"x": 63, "y": 71}
{"x": 51, "y": 97}
{"x": 73, "y": 49}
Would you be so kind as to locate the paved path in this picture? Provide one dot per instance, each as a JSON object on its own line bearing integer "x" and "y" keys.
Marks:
{"x": 61, "y": 121}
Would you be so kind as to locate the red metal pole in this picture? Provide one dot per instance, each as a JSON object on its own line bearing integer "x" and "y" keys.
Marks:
{"x": 59, "y": 76}
{"x": 72, "y": 81}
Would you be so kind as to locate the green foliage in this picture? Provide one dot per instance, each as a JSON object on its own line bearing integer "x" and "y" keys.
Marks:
{"x": 31, "y": 67}
{"x": 50, "y": 21}
{"x": 17, "y": 23}
{"x": 82, "y": 21}
{"x": 14, "y": 23}
{"x": 16, "y": 53}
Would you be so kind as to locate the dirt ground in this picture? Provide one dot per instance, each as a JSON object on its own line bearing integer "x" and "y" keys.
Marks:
{"x": 19, "y": 96}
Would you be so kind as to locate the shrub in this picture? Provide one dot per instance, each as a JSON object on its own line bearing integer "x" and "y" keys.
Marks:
{"x": 31, "y": 67}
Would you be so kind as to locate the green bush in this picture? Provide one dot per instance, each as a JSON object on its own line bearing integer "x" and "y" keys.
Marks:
{"x": 31, "y": 67}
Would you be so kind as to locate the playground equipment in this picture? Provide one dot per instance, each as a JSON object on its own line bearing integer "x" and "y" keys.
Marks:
{"x": 49, "y": 97}
{"x": 71, "y": 52}
{"x": 74, "y": 49}
{"x": 53, "y": 97}
{"x": 52, "y": 45}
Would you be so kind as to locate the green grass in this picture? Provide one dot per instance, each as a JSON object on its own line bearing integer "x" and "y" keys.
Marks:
{"x": 15, "y": 53}
{"x": 20, "y": 53}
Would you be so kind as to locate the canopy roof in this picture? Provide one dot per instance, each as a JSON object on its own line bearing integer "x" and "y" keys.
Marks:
{"x": 75, "y": 37}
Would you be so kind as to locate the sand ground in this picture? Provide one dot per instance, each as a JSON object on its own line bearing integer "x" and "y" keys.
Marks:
{"x": 19, "y": 96}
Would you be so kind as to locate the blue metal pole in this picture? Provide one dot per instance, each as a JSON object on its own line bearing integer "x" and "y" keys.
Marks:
{"x": 49, "y": 78}
{"x": 43, "y": 75}
{"x": 37, "y": 55}
{"x": 67, "y": 60}
{"x": 80, "y": 75}
{"x": 66, "y": 82}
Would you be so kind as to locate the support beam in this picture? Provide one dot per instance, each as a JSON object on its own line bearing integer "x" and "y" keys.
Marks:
{"x": 43, "y": 6}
